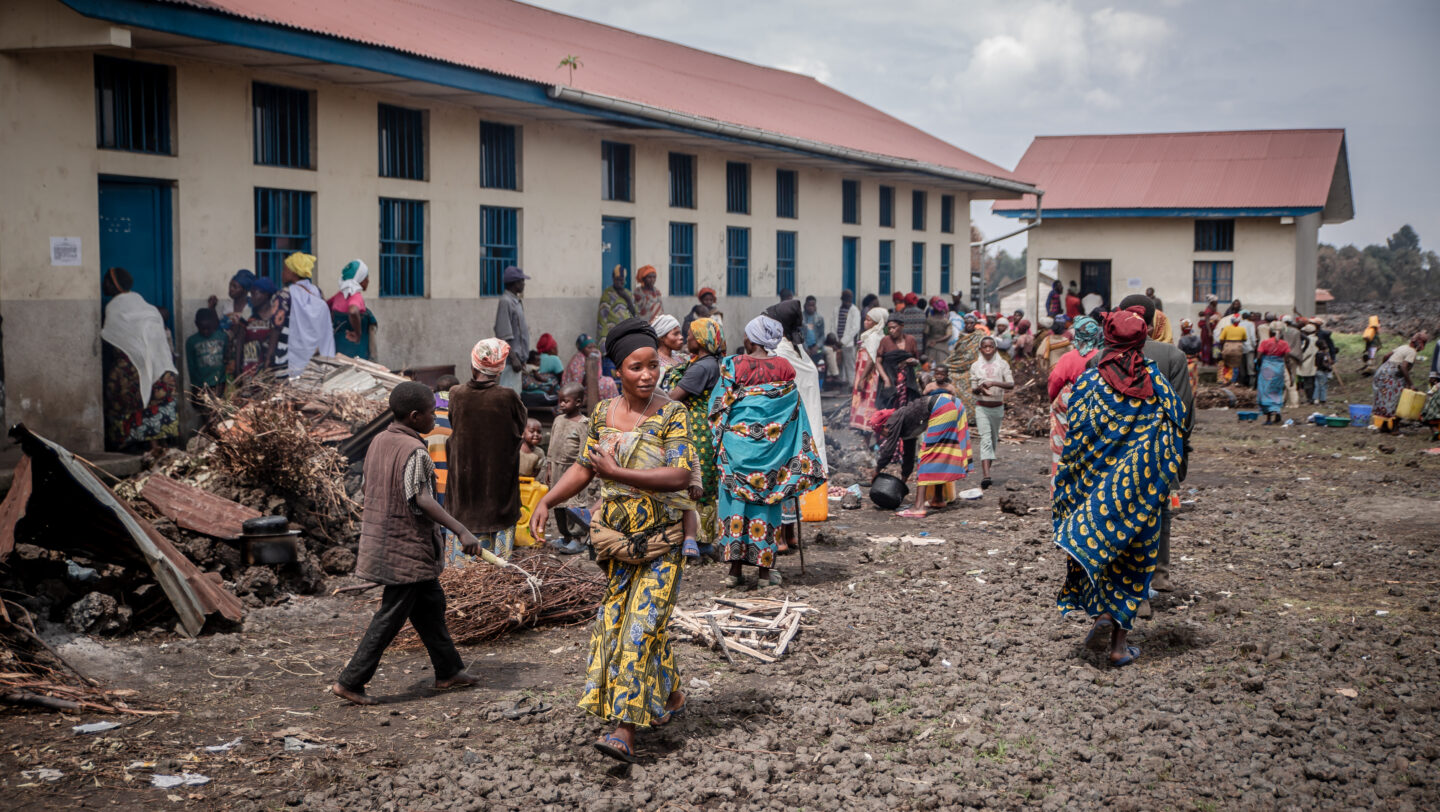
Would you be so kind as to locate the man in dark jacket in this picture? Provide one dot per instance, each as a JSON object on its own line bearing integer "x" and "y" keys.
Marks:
{"x": 400, "y": 548}
{"x": 487, "y": 422}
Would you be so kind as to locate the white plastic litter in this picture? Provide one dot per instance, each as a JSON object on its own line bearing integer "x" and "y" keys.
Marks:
{"x": 95, "y": 727}
{"x": 186, "y": 779}
{"x": 294, "y": 744}
{"x": 226, "y": 747}
{"x": 43, "y": 774}
{"x": 972, "y": 493}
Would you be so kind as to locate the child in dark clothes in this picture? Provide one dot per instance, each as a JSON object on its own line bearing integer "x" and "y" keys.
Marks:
{"x": 400, "y": 548}
{"x": 205, "y": 355}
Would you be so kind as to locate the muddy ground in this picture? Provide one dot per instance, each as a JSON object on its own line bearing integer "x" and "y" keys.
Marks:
{"x": 1295, "y": 667}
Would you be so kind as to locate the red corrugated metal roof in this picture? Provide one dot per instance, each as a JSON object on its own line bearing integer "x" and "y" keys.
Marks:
{"x": 1212, "y": 170}
{"x": 528, "y": 43}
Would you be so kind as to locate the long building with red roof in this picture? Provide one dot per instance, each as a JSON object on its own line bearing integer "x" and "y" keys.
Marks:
{"x": 437, "y": 141}
{"x": 1235, "y": 215}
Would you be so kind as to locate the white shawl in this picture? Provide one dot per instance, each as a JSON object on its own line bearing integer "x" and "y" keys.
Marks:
{"x": 310, "y": 327}
{"x": 807, "y": 383}
{"x": 133, "y": 326}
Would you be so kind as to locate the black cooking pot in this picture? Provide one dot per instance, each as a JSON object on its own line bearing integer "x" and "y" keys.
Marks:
{"x": 265, "y": 525}
{"x": 888, "y": 492}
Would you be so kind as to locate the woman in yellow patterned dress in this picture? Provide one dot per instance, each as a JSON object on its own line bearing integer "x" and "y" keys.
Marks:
{"x": 639, "y": 446}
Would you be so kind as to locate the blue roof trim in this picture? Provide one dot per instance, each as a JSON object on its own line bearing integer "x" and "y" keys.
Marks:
{"x": 221, "y": 27}
{"x": 1081, "y": 214}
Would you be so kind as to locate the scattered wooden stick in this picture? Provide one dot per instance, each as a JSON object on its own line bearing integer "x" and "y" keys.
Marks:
{"x": 720, "y": 640}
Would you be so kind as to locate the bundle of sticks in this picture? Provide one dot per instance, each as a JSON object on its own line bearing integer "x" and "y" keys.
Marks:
{"x": 759, "y": 628}
{"x": 35, "y": 675}
{"x": 484, "y": 602}
{"x": 267, "y": 441}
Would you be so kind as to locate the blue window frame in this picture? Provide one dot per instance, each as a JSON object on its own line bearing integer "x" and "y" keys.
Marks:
{"x": 850, "y": 202}
{"x": 402, "y": 142}
{"x": 283, "y": 225}
{"x": 617, "y": 171}
{"x": 784, "y": 261}
{"x": 737, "y": 187}
{"x": 1214, "y": 278}
{"x": 132, "y": 105}
{"x": 947, "y": 255}
{"x": 917, "y": 210}
{"x": 682, "y": 180}
{"x": 947, "y": 214}
{"x": 1214, "y": 235}
{"x": 787, "y": 193}
{"x": 499, "y": 156}
{"x": 737, "y": 261}
{"x": 682, "y": 259}
{"x": 887, "y": 252}
{"x": 282, "y": 126}
{"x": 849, "y": 263}
{"x": 402, "y": 247}
{"x": 917, "y": 267}
{"x": 887, "y": 206}
{"x": 499, "y": 246}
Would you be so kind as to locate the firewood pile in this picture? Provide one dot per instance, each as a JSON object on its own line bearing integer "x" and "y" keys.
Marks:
{"x": 759, "y": 628}
{"x": 485, "y": 602}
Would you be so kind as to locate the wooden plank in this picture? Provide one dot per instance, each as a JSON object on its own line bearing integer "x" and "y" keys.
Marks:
{"x": 789, "y": 635}
{"x": 721, "y": 641}
{"x": 764, "y": 658}
{"x": 13, "y": 507}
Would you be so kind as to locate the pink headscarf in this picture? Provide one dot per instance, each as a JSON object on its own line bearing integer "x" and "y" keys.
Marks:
{"x": 489, "y": 356}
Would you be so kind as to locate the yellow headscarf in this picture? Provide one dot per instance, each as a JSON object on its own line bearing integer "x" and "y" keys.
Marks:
{"x": 302, "y": 265}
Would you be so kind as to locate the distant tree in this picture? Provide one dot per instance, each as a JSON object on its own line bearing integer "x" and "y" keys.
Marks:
{"x": 1397, "y": 269}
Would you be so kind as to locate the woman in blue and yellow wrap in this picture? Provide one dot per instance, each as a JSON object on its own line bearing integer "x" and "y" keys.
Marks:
{"x": 1121, "y": 456}
{"x": 639, "y": 446}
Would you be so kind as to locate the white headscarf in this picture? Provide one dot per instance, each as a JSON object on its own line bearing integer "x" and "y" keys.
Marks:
{"x": 663, "y": 324}
{"x": 354, "y": 272}
{"x": 765, "y": 332}
{"x": 133, "y": 326}
{"x": 870, "y": 339}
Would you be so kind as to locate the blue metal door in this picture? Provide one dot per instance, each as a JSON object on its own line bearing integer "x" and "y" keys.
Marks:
{"x": 1095, "y": 278}
{"x": 849, "y": 256}
{"x": 135, "y": 235}
{"x": 614, "y": 248}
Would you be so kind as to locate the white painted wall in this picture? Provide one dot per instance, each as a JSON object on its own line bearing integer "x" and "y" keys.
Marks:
{"x": 1160, "y": 252}
{"x": 52, "y": 314}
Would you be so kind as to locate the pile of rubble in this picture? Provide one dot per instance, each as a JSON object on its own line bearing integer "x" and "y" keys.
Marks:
{"x": 1402, "y": 316}
{"x": 262, "y": 503}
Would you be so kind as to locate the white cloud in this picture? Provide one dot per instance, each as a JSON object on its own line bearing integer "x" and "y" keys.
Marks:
{"x": 1127, "y": 39}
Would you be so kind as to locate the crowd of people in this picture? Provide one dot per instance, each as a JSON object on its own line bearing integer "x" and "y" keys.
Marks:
{"x": 666, "y": 447}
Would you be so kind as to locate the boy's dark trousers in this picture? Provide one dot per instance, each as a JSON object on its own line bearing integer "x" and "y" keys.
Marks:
{"x": 423, "y": 604}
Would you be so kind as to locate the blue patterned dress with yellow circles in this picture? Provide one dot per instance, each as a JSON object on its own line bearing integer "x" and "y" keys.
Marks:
{"x": 632, "y": 667}
{"x": 1120, "y": 459}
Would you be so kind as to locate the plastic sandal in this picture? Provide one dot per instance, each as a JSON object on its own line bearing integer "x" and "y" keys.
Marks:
{"x": 616, "y": 748}
{"x": 732, "y": 581}
{"x": 1131, "y": 653}
{"x": 671, "y": 715}
{"x": 910, "y": 513}
{"x": 1095, "y": 640}
{"x": 774, "y": 580}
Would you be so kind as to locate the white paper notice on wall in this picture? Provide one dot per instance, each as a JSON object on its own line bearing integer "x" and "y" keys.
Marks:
{"x": 1134, "y": 283}
{"x": 65, "y": 251}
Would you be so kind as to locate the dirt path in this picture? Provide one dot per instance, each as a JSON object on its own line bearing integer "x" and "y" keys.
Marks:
{"x": 1294, "y": 667}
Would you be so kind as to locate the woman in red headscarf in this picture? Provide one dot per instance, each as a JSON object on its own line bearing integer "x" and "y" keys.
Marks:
{"x": 1122, "y": 454}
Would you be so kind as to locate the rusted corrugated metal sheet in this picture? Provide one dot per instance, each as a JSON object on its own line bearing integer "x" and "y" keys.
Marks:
{"x": 1266, "y": 169}
{"x": 524, "y": 42}
{"x": 196, "y": 510}
{"x": 71, "y": 511}
{"x": 14, "y": 506}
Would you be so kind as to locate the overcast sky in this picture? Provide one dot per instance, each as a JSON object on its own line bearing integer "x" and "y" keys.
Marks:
{"x": 988, "y": 75}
